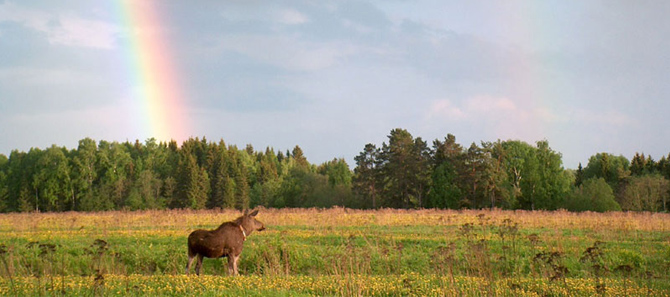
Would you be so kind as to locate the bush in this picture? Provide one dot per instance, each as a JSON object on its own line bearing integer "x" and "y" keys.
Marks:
{"x": 595, "y": 194}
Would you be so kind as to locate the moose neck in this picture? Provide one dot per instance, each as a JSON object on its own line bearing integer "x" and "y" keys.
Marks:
{"x": 245, "y": 231}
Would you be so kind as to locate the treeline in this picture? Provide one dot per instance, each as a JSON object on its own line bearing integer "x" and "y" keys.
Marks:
{"x": 198, "y": 174}
{"x": 405, "y": 172}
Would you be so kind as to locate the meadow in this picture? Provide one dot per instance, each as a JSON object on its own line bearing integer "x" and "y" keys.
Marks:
{"x": 341, "y": 252}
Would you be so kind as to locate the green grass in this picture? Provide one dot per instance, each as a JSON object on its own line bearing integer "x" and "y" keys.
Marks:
{"x": 482, "y": 253}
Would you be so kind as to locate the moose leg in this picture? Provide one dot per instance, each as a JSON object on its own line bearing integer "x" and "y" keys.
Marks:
{"x": 235, "y": 264}
{"x": 232, "y": 264}
{"x": 190, "y": 261}
{"x": 231, "y": 271}
{"x": 198, "y": 265}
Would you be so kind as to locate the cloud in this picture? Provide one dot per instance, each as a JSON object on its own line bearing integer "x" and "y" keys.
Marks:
{"x": 490, "y": 105}
{"x": 478, "y": 107}
{"x": 292, "y": 17}
{"x": 495, "y": 116}
{"x": 287, "y": 52}
{"x": 611, "y": 118}
{"x": 31, "y": 77}
{"x": 444, "y": 108}
{"x": 74, "y": 31}
{"x": 66, "y": 127}
{"x": 354, "y": 66}
{"x": 42, "y": 89}
{"x": 501, "y": 117}
{"x": 60, "y": 29}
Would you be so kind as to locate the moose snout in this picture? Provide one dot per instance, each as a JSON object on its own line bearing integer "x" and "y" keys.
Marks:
{"x": 261, "y": 228}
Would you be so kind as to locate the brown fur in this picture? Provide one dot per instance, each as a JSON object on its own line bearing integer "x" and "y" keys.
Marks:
{"x": 225, "y": 241}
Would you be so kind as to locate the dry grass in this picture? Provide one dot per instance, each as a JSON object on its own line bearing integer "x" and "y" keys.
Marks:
{"x": 189, "y": 219}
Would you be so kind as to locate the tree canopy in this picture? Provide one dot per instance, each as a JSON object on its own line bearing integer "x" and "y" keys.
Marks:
{"x": 402, "y": 172}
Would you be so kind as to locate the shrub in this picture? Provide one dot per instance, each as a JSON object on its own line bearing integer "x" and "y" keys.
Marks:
{"x": 594, "y": 194}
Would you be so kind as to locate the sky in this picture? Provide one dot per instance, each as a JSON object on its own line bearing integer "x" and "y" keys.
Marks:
{"x": 331, "y": 76}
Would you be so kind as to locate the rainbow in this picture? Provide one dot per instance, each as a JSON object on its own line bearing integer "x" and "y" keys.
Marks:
{"x": 152, "y": 73}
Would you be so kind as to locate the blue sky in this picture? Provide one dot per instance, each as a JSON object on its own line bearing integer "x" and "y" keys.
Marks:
{"x": 588, "y": 76}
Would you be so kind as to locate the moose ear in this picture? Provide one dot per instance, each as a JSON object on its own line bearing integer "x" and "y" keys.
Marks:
{"x": 246, "y": 211}
{"x": 254, "y": 213}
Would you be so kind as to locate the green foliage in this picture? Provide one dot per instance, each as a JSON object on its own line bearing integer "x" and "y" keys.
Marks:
{"x": 474, "y": 174}
{"x": 663, "y": 166}
{"x": 594, "y": 194}
{"x": 267, "y": 194}
{"x": 498, "y": 188}
{"x": 398, "y": 173}
{"x": 52, "y": 179}
{"x": 194, "y": 183}
{"x": 579, "y": 175}
{"x": 612, "y": 168}
{"x": 145, "y": 193}
{"x": 366, "y": 181}
{"x": 4, "y": 185}
{"x": 337, "y": 171}
{"x": 405, "y": 167}
{"x": 536, "y": 175}
{"x": 506, "y": 174}
{"x": 403, "y": 172}
{"x": 633, "y": 259}
{"x": 444, "y": 192}
{"x": 199, "y": 174}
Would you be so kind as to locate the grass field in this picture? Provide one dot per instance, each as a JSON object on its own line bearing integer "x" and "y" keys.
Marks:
{"x": 306, "y": 252}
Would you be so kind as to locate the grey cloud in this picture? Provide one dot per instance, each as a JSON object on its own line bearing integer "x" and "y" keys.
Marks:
{"x": 356, "y": 69}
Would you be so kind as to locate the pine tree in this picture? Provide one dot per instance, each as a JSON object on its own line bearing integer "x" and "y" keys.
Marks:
{"x": 579, "y": 175}
{"x": 664, "y": 166}
{"x": 447, "y": 159}
{"x": 366, "y": 175}
{"x": 219, "y": 177}
{"x": 300, "y": 160}
{"x": 650, "y": 166}
{"x": 4, "y": 187}
{"x": 240, "y": 177}
{"x": 638, "y": 165}
{"x": 192, "y": 184}
{"x": 474, "y": 177}
{"x": 404, "y": 169}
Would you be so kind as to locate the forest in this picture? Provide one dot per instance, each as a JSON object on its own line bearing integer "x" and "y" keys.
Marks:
{"x": 403, "y": 172}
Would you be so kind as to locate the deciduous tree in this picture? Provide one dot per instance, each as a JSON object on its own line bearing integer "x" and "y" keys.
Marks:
{"x": 645, "y": 193}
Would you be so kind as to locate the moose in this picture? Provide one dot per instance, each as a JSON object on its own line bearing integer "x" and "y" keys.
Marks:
{"x": 225, "y": 241}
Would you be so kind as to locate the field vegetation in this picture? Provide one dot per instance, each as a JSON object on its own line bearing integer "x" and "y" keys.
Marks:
{"x": 338, "y": 251}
